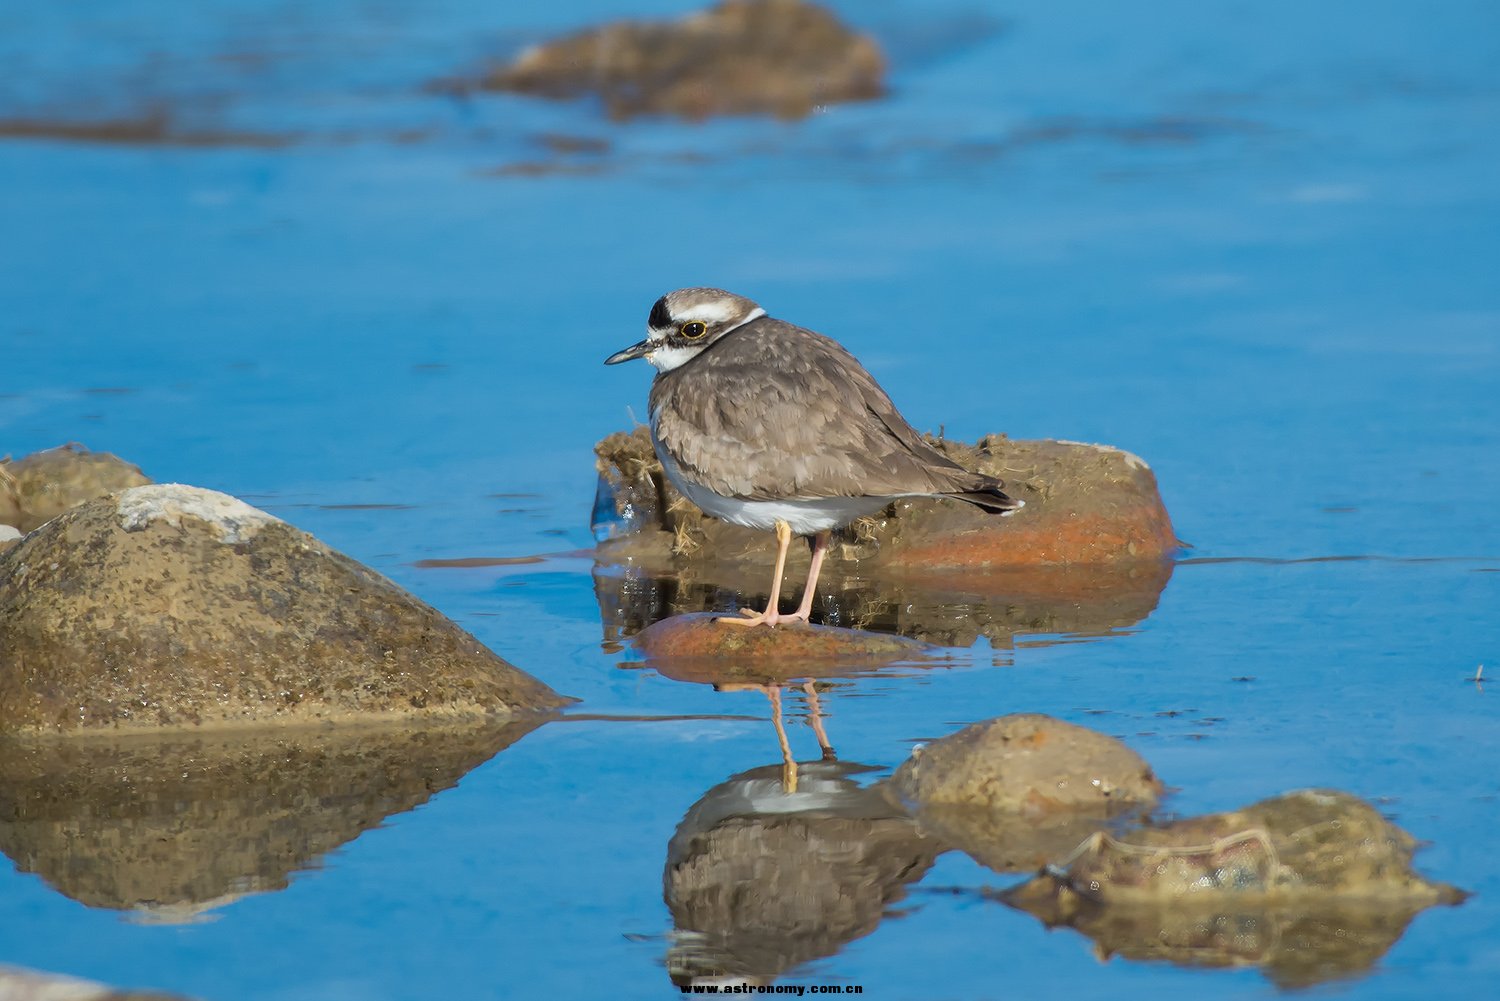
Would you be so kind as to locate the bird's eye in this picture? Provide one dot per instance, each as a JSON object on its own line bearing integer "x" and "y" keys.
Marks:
{"x": 692, "y": 331}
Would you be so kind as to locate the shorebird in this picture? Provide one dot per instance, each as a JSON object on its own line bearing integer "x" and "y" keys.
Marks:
{"x": 765, "y": 424}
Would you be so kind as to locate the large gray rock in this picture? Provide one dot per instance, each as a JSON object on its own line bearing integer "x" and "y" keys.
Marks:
{"x": 177, "y": 606}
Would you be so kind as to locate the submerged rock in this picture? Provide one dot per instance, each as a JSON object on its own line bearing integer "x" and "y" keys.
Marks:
{"x": 778, "y": 57}
{"x": 727, "y": 653}
{"x": 1309, "y": 886}
{"x": 1085, "y": 505}
{"x": 177, "y": 606}
{"x": 1022, "y": 790}
{"x": 41, "y": 486}
{"x": 759, "y": 880}
{"x": 19, "y": 984}
{"x": 9, "y": 536}
{"x": 169, "y": 826}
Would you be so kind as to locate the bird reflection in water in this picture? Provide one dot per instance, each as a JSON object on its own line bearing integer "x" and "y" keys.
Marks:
{"x": 761, "y": 877}
{"x": 814, "y": 715}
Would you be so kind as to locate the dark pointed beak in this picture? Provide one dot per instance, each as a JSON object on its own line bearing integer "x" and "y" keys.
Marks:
{"x": 631, "y": 353}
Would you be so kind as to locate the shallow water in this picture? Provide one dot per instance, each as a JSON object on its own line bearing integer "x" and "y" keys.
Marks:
{"x": 1254, "y": 244}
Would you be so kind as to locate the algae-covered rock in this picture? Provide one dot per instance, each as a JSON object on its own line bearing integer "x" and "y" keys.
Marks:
{"x": 171, "y": 825}
{"x": 1309, "y": 886}
{"x": 1028, "y": 763}
{"x": 176, "y": 606}
{"x": 778, "y": 57}
{"x": 759, "y": 880}
{"x": 39, "y": 487}
{"x": 1085, "y": 505}
{"x": 1309, "y": 843}
{"x": 1022, "y": 790}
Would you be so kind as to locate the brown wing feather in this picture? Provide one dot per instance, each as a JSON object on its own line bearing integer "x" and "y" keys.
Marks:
{"x": 837, "y": 433}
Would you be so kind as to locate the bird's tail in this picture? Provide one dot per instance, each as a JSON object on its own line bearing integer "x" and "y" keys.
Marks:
{"x": 990, "y": 497}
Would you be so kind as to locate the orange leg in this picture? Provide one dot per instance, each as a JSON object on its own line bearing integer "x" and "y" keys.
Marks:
{"x": 770, "y": 616}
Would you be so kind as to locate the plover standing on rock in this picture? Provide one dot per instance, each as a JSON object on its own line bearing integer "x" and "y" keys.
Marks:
{"x": 764, "y": 424}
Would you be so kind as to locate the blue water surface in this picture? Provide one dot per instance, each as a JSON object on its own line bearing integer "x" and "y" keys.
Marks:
{"x": 1253, "y": 243}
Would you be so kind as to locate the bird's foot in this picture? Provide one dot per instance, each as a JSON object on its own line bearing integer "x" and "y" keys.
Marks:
{"x": 769, "y": 617}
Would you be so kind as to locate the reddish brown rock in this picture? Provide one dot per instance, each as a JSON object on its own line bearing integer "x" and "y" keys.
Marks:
{"x": 1085, "y": 505}
{"x": 173, "y": 606}
{"x": 777, "y": 57}
{"x": 699, "y": 648}
{"x": 45, "y": 484}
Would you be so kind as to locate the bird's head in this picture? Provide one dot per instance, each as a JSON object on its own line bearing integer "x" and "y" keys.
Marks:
{"x": 684, "y": 322}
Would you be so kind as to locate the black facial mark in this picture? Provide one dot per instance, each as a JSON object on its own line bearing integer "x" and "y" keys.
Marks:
{"x": 660, "y": 319}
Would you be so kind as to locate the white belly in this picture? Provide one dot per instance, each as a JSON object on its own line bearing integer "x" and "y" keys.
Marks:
{"x": 806, "y": 517}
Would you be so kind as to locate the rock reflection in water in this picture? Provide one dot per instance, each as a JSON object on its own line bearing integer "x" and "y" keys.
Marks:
{"x": 171, "y": 827}
{"x": 1294, "y": 946}
{"x": 759, "y": 880}
{"x": 944, "y": 609}
{"x": 1310, "y": 886}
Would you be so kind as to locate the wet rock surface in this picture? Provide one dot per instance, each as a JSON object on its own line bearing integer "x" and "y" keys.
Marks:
{"x": 170, "y": 826}
{"x": 1085, "y": 505}
{"x": 941, "y": 608}
{"x": 1309, "y": 886}
{"x": 776, "y": 57}
{"x": 759, "y": 880}
{"x": 697, "y": 647}
{"x": 43, "y": 485}
{"x": 1022, "y": 790}
{"x": 172, "y": 606}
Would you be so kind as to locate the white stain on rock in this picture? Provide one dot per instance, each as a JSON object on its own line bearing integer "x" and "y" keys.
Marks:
{"x": 231, "y": 519}
{"x": 1131, "y": 459}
